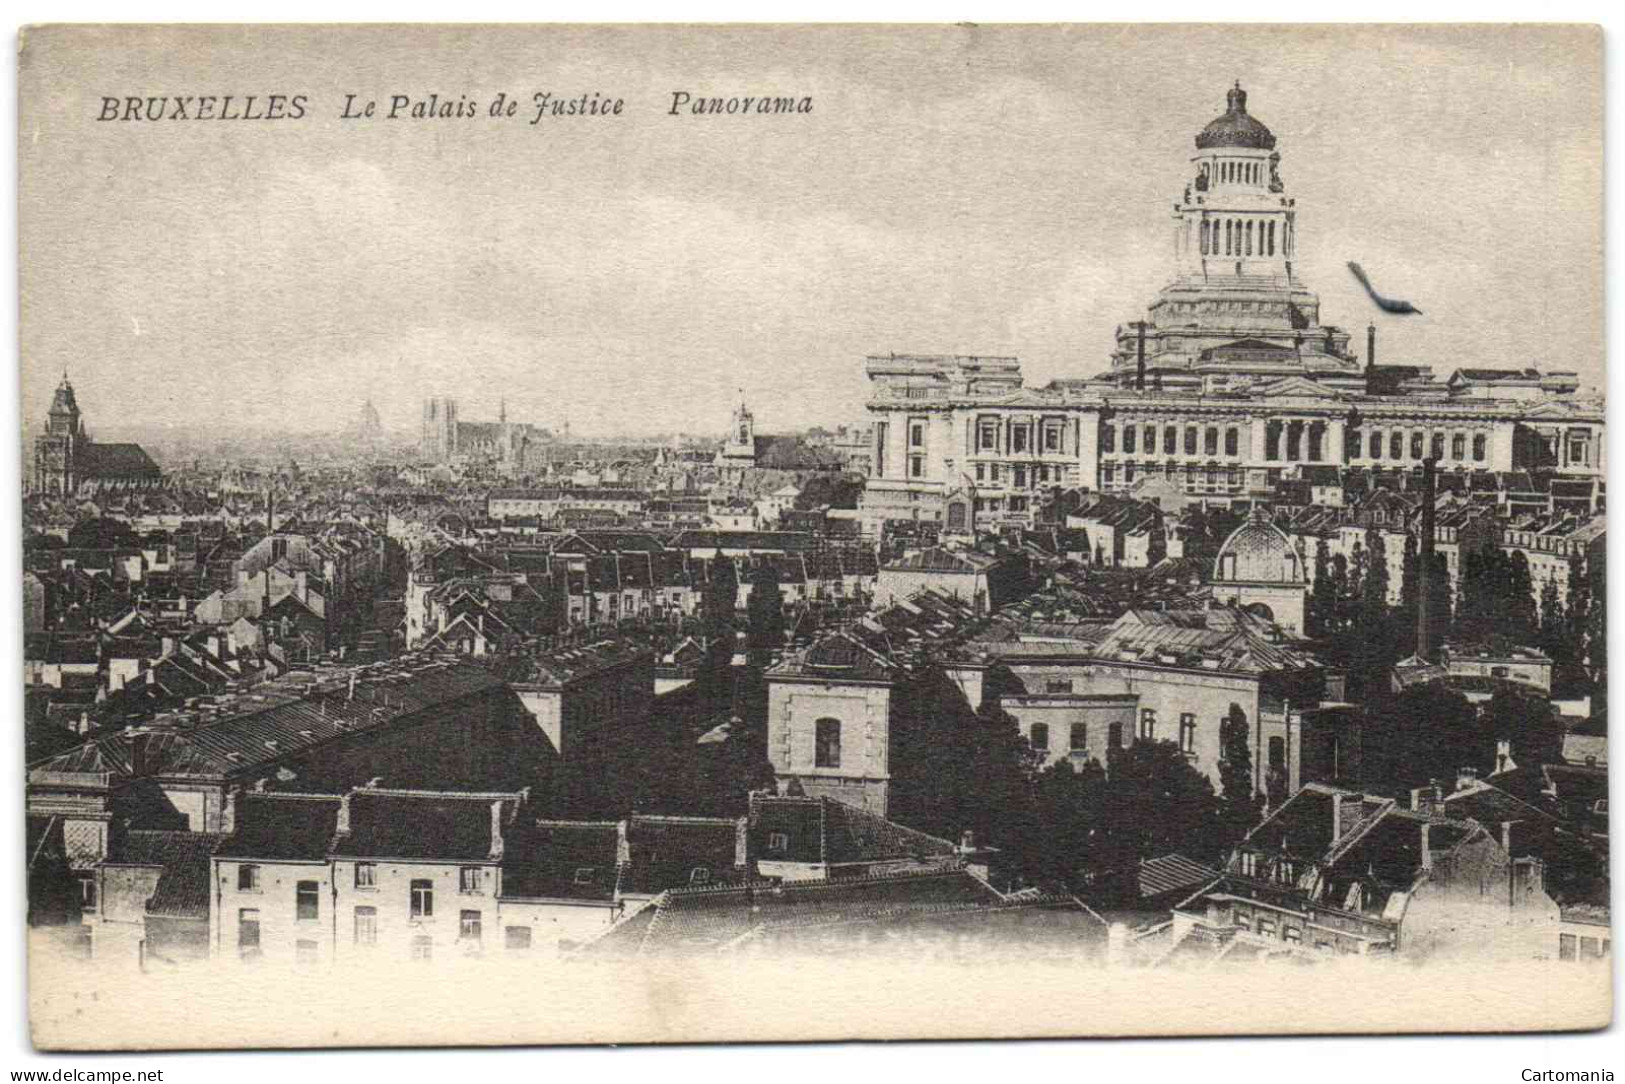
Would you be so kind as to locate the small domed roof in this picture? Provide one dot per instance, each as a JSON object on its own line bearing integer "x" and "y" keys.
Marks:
{"x": 1236, "y": 128}
{"x": 1261, "y": 552}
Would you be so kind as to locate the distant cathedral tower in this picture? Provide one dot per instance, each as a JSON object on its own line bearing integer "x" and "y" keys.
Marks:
{"x": 55, "y": 452}
{"x": 740, "y": 447}
{"x": 439, "y": 438}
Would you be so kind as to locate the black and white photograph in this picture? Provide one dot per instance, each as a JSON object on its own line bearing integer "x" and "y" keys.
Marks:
{"x": 664, "y": 534}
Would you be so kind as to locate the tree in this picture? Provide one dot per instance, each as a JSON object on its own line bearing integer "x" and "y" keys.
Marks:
{"x": 764, "y": 631}
{"x": 1429, "y": 732}
{"x": 1526, "y": 724}
{"x": 1322, "y": 612}
{"x": 1240, "y": 808}
{"x": 717, "y": 604}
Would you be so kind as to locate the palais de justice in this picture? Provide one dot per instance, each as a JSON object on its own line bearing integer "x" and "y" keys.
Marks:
{"x": 1229, "y": 383}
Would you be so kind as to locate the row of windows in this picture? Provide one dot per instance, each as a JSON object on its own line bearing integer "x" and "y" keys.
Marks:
{"x": 1050, "y": 436}
{"x": 1395, "y": 443}
{"x": 1241, "y": 172}
{"x": 470, "y": 879}
{"x": 1021, "y": 475}
{"x": 1209, "y": 439}
{"x": 1195, "y": 476}
{"x": 1235, "y": 237}
{"x": 1078, "y": 738}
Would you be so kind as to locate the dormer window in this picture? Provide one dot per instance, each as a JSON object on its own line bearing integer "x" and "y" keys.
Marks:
{"x": 584, "y": 875}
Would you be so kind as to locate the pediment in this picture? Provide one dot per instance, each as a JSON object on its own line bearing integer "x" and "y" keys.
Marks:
{"x": 1298, "y": 387}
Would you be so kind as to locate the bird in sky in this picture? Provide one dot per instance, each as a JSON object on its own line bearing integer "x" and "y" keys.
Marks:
{"x": 1385, "y": 304}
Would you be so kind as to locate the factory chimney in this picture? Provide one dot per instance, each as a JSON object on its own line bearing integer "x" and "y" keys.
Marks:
{"x": 1424, "y": 571}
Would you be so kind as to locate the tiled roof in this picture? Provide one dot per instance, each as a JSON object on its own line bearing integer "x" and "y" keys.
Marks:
{"x": 1172, "y": 873}
{"x": 697, "y": 921}
{"x": 239, "y": 733}
{"x": 666, "y": 852}
{"x": 283, "y": 827}
{"x": 569, "y": 860}
{"x": 824, "y": 831}
{"x": 423, "y": 825}
{"x": 183, "y": 886}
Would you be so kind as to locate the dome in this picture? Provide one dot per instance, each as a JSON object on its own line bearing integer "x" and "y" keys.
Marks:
{"x": 1258, "y": 552}
{"x": 1236, "y": 128}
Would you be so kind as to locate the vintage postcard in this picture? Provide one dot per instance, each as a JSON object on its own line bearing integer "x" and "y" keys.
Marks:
{"x": 587, "y": 534}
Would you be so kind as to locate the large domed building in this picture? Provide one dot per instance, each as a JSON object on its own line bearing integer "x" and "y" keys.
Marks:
{"x": 1260, "y": 569}
{"x": 1227, "y": 385}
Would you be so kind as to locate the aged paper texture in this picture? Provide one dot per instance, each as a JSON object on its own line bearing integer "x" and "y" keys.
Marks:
{"x": 642, "y": 534}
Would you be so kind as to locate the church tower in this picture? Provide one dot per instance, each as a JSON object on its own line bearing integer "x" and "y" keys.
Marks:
{"x": 55, "y": 452}
{"x": 1236, "y": 312}
{"x": 741, "y": 442}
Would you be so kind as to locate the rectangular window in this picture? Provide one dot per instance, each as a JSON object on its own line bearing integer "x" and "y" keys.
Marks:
{"x": 1148, "y": 724}
{"x": 306, "y": 953}
{"x": 87, "y": 892}
{"x": 1187, "y": 733}
{"x": 1478, "y": 448}
{"x": 827, "y": 743}
{"x": 1210, "y": 442}
{"x": 422, "y": 948}
{"x": 516, "y": 938}
{"x": 1190, "y": 441}
{"x": 987, "y": 437}
{"x": 981, "y": 472}
{"x": 1018, "y": 438}
{"x": 1438, "y": 446}
{"x": 248, "y": 931}
{"x": 1566, "y": 946}
{"x": 1039, "y": 737}
{"x": 1108, "y": 439}
{"x": 916, "y": 435}
{"x": 1416, "y": 445}
{"x": 1292, "y": 935}
{"x": 1080, "y": 737}
{"x": 1130, "y": 435}
{"x": 1020, "y": 477}
{"x": 1170, "y": 440}
{"x": 470, "y": 879}
{"x": 308, "y": 901}
{"x": 248, "y": 878}
{"x": 366, "y": 875}
{"x": 468, "y": 926}
{"x": 778, "y": 842}
{"x": 1058, "y": 685}
{"x": 1052, "y": 438}
{"x": 1266, "y": 926}
{"x": 366, "y": 925}
{"x": 422, "y": 899}
{"x": 916, "y": 466}
{"x": 1277, "y": 753}
{"x": 1232, "y": 442}
{"x": 1114, "y": 736}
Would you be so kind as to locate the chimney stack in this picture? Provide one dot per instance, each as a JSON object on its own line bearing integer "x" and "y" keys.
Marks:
{"x": 342, "y": 827}
{"x": 496, "y": 829}
{"x": 1370, "y": 347}
{"x": 1424, "y": 571}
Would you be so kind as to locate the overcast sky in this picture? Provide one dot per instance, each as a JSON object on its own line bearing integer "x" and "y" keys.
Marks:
{"x": 991, "y": 190}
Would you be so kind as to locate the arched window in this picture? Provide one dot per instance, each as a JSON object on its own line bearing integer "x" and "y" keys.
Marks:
{"x": 1437, "y": 449}
{"x": 1170, "y": 440}
{"x": 1150, "y": 440}
{"x": 1129, "y": 435}
{"x": 1458, "y": 447}
{"x": 1376, "y": 445}
{"x": 1039, "y": 737}
{"x": 827, "y": 743}
{"x": 1232, "y": 442}
{"x": 1416, "y": 445}
{"x": 1190, "y": 441}
{"x": 1396, "y": 446}
{"x": 1210, "y": 441}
